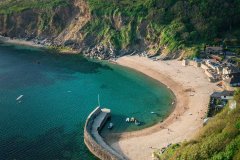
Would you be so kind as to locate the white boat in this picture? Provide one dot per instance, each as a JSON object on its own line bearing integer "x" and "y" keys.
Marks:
{"x": 18, "y": 98}
{"x": 132, "y": 119}
{"x": 152, "y": 112}
{"x": 110, "y": 126}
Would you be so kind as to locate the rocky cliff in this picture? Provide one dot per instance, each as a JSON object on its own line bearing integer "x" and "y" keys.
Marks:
{"x": 106, "y": 29}
{"x": 32, "y": 23}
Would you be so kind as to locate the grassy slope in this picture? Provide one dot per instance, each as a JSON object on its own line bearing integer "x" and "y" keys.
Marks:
{"x": 12, "y": 6}
{"x": 218, "y": 140}
{"x": 175, "y": 23}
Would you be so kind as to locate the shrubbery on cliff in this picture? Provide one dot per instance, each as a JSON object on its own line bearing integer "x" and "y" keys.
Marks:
{"x": 176, "y": 24}
{"x": 13, "y": 6}
{"x": 218, "y": 140}
{"x": 160, "y": 26}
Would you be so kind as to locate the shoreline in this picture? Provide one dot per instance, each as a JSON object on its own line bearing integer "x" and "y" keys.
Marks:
{"x": 21, "y": 42}
{"x": 176, "y": 127}
{"x": 31, "y": 43}
{"x": 192, "y": 96}
{"x": 176, "y": 108}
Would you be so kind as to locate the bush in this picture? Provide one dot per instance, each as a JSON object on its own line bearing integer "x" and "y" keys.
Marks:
{"x": 218, "y": 140}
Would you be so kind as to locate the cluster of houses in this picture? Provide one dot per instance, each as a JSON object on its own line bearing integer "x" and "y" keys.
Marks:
{"x": 219, "y": 68}
{"x": 225, "y": 71}
{"x": 218, "y": 100}
{"x": 227, "y": 74}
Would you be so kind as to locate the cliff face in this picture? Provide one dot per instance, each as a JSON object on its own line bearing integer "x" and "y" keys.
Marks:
{"x": 71, "y": 35}
{"x": 109, "y": 28}
{"x": 34, "y": 22}
{"x": 56, "y": 26}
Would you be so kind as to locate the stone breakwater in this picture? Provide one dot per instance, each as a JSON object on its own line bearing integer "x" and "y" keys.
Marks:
{"x": 93, "y": 139}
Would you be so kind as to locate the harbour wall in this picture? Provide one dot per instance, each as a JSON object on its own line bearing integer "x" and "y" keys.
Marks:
{"x": 93, "y": 139}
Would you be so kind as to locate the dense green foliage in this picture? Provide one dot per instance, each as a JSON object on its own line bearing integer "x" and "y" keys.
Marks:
{"x": 218, "y": 140}
{"x": 12, "y": 6}
{"x": 175, "y": 23}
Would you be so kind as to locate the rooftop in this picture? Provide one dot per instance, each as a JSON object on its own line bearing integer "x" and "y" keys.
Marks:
{"x": 223, "y": 93}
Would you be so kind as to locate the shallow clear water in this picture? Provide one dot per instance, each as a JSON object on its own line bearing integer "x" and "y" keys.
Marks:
{"x": 59, "y": 91}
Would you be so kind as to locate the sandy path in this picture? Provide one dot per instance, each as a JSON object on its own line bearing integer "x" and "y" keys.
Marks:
{"x": 192, "y": 91}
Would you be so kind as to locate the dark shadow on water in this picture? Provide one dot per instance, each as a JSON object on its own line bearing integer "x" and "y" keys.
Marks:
{"x": 55, "y": 143}
{"x": 120, "y": 124}
{"x": 33, "y": 66}
{"x": 110, "y": 136}
{"x": 104, "y": 86}
{"x": 17, "y": 78}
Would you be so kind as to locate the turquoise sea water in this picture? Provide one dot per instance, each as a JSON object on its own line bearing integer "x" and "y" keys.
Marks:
{"x": 59, "y": 91}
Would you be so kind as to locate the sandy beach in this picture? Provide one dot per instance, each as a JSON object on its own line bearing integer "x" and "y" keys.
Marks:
{"x": 33, "y": 44}
{"x": 192, "y": 90}
{"x": 20, "y": 42}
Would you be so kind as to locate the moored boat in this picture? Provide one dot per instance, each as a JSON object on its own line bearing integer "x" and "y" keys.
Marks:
{"x": 110, "y": 126}
{"x": 19, "y": 97}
